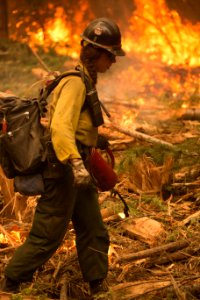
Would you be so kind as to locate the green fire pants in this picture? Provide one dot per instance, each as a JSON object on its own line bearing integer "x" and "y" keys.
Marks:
{"x": 61, "y": 203}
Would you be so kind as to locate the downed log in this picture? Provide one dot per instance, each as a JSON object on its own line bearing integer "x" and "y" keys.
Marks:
{"x": 10, "y": 296}
{"x": 171, "y": 257}
{"x": 191, "y": 114}
{"x": 154, "y": 251}
{"x": 130, "y": 290}
{"x": 177, "y": 184}
{"x": 142, "y": 136}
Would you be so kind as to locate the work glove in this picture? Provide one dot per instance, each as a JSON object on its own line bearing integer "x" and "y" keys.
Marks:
{"x": 81, "y": 175}
{"x": 102, "y": 142}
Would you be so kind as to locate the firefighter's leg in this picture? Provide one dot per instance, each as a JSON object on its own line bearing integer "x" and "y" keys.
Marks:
{"x": 53, "y": 212}
{"x": 91, "y": 235}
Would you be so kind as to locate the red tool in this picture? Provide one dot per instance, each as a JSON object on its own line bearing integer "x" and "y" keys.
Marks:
{"x": 101, "y": 169}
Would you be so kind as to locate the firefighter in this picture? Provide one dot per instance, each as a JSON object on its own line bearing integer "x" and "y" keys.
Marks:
{"x": 71, "y": 194}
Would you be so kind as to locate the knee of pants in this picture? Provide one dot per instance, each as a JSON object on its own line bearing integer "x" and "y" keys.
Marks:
{"x": 49, "y": 227}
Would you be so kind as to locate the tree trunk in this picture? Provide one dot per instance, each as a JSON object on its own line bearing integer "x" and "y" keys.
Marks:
{"x": 3, "y": 19}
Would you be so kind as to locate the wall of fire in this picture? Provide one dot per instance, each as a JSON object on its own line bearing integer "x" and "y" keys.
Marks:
{"x": 26, "y": 18}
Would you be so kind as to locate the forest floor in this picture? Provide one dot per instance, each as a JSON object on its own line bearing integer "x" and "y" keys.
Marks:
{"x": 155, "y": 244}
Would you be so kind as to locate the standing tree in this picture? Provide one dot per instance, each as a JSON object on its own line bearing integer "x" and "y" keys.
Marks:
{"x": 3, "y": 19}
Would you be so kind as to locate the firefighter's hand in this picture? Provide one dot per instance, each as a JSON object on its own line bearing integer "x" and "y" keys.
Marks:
{"x": 81, "y": 175}
{"x": 102, "y": 142}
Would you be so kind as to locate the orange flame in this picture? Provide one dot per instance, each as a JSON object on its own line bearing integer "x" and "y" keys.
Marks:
{"x": 162, "y": 48}
{"x": 160, "y": 34}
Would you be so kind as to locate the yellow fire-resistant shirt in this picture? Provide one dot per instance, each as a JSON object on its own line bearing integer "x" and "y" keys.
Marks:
{"x": 68, "y": 122}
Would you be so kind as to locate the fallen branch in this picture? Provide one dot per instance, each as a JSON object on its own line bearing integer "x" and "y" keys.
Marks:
{"x": 134, "y": 289}
{"x": 180, "y": 295}
{"x": 40, "y": 60}
{"x": 196, "y": 215}
{"x": 129, "y": 105}
{"x": 154, "y": 251}
{"x": 177, "y": 184}
{"x": 171, "y": 257}
{"x": 7, "y": 249}
{"x": 142, "y": 136}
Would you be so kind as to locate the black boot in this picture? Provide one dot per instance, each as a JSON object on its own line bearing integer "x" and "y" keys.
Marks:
{"x": 98, "y": 287}
{"x": 9, "y": 285}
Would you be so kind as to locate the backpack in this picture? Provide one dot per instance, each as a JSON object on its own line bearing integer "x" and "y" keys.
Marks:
{"x": 23, "y": 137}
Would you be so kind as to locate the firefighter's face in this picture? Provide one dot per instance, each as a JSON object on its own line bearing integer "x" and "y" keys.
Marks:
{"x": 105, "y": 61}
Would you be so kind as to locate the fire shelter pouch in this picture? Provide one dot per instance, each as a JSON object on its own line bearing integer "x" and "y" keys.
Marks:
{"x": 29, "y": 185}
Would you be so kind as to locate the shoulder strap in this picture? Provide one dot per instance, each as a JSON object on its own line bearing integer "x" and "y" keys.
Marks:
{"x": 92, "y": 100}
{"x": 44, "y": 93}
{"x": 88, "y": 84}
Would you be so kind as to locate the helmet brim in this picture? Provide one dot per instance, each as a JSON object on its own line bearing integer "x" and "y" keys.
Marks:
{"x": 118, "y": 51}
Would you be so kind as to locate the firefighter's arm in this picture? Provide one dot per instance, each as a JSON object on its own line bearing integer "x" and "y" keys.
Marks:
{"x": 81, "y": 175}
{"x": 65, "y": 119}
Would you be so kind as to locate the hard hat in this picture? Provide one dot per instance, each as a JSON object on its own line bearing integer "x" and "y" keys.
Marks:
{"x": 104, "y": 33}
